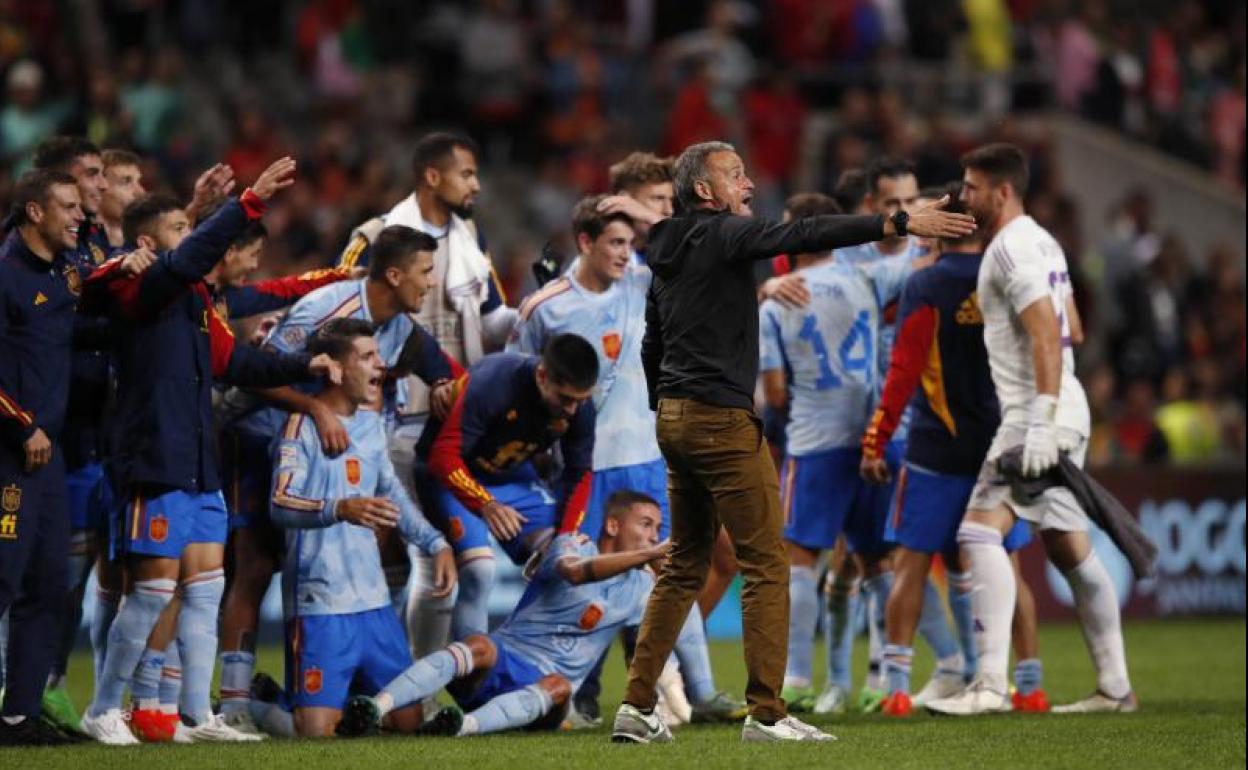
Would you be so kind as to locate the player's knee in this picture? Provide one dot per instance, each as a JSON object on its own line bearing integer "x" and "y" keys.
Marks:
{"x": 557, "y": 687}
{"x": 484, "y": 653}
{"x": 476, "y": 577}
{"x": 313, "y": 723}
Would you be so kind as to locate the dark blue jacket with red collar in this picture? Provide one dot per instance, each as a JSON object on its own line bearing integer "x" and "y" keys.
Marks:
{"x": 37, "y": 302}
{"x": 170, "y": 342}
{"x": 496, "y": 426}
{"x": 83, "y": 438}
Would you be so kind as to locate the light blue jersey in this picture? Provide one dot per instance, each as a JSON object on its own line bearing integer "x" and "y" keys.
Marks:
{"x": 332, "y": 567}
{"x": 829, "y": 350}
{"x": 563, "y": 628}
{"x": 614, "y": 322}
{"x": 346, "y": 299}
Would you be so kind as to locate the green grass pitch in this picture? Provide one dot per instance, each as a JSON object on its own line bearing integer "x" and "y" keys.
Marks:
{"x": 1189, "y": 675}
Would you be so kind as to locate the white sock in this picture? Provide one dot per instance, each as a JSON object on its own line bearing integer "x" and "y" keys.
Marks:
{"x": 993, "y": 593}
{"x": 428, "y": 617}
{"x": 1097, "y": 605}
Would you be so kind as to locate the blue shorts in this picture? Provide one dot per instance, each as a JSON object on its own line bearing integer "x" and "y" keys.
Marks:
{"x": 865, "y": 527}
{"x": 927, "y": 510}
{"x": 470, "y": 536}
{"x": 1018, "y": 537}
{"x": 247, "y": 468}
{"x": 511, "y": 672}
{"x": 90, "y": 498}
{"x": 823, "y": 495}
{"x": 165, "y": 525}
{"x": 331, "y": 657}
{"x": 647, "y": 478}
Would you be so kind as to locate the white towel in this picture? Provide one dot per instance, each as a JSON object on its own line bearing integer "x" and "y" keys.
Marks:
{"x": 467, "y": 271}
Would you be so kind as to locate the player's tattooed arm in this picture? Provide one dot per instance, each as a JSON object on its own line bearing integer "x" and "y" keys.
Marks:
{"x": 591, "y": 569}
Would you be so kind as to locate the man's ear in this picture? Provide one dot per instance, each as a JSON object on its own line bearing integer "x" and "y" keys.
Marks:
{"x": 147, "y": 242}
{"x": 702, "y": 189}
{"x": 611, "y": 526}
{"x": 541, "y": 373}
{"x": 432, "y": 176}
{"x": 34, "y": 212}
{"x": 584, "y": 243}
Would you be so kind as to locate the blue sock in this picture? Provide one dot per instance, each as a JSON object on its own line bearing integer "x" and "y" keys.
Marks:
{"x": 695, "y": 659}
{"x": 1028, "y": 676}
{"x": 472, "y": 612}
{"x": 171, "y": 679}
{"x": 934, "y": 626}
{"x": 877, "y": 590}
{"x": 237, "y": 668}
{"x": 106, "y": 603}
{"x": 842, "y": 610}
{"x": 145, "y": 686}
{"x": 963, "y": 619}
{"x": 197, "y": 640}
{"x": 128, "y": 638}
{"x": 509, "y": 710}
{"x": 897, "y": 667}
{"x": 803, "y": 614}
{"x": 429, "y": 675}
{"x": 272, "y": 718}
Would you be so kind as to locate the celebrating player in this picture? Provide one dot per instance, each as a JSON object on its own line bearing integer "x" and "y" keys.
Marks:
{"x": 1029, "y": 323}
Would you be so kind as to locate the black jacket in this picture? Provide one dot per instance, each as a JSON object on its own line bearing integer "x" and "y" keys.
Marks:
{"x": 1095, "y": 500}
{"x": 702, "y": 311}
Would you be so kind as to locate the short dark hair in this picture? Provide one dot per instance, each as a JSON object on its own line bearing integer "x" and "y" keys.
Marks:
{"x": 623, "y": 499}
{"x": 58, "y": 153}
{"x": 887, "y": 166}
{"x": 570, "y": 360}
{"x": 586, "y": 218}
{"x": 34, "y": 187}
{"x": 252, "y": 232}
{"x": 1002, "y": 163}
{"x": 141, "y": 215}
{"x": 395, "y": 246}
{"x": 850, "y": 189}
{"x": 640, "y": 168}
{"x": 691, "y": 169}
{"x": 336, "y": 338}
{"x": 811, "y": 204}
{"x": 433, "y": 150}
{"x": 120, "y": 158}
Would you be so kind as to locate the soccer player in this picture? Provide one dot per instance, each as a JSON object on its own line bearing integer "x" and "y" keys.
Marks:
{"x": 940, "y": 343}
{"x": 400, "y": 278}
{"x": 468, "y": 316}
{"x": 171, "y": 343}
{"x": 603, "y": 300}
{"x": 1029, "y": 321}
{"x": 508, "y": 408}
{"x": 641, "y": 189}
{"x": 825, "y": 357}
{"x": 124, "y": 174}
{"x": 39, "y": 290}
{"x": 341, "y": 634}
{"x": 579, "y": 595}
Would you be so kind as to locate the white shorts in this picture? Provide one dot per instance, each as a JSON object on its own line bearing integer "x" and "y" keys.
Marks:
{"x": 401, "y": 442}
{"x": 1056, "y": 509}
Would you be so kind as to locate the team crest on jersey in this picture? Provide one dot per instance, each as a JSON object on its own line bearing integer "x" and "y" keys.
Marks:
{"x": 158, "y": 529}
{"x": 353, "y": 471}
{"x": 73, "y": 280}
{"x": 312, "y": 680}
{"x": 294, "y": 336}
{"x": 97, "y": 254}
{"x": 968, "y": 312}
{"x": 11, "y": 498}
{"x": 611, "y": 345}
{"x": 591, "y": 617}
{"x": 457, "y": 529}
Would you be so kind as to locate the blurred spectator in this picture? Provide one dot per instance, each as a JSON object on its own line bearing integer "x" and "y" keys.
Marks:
{"x": 27, "y": 119}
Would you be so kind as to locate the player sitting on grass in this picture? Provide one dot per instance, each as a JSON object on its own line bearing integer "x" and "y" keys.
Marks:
{"x": 341, "y": 632}
{"x": 579, "y": 596}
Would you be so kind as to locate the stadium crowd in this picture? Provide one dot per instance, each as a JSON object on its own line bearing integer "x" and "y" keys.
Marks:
{"x": 371, "y": 418}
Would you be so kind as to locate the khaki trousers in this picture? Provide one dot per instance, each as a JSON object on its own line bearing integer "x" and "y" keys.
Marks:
{"x": 719, "y": 472}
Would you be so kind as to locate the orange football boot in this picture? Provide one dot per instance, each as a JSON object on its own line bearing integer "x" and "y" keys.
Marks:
{"x": 897, "y": 705}
{"x": 1035, "y": 702}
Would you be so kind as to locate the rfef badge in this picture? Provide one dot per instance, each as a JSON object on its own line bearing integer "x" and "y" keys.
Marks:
{"x": 10, "y": 504}
{"x": 353, "y": 471}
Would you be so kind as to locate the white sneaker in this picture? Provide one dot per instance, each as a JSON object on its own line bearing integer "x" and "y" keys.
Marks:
{"x": 943, "y": 684}
{"x": 241, "y": 721}
{"x": 833, "y": 700}
{"x": 977, "y": 698}
{"x": 182, "y": 733}
{"x": 111, "y": 728}
{"x": 215, "y": 730}
{"x": 787, "y": 729}
{"x": 1098, "y": 703}
{"x": 632, "y": 726}
{"x": 671, "y": 691}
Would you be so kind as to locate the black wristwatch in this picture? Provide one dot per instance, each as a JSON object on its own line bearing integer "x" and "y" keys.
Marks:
{"x": 901, "y": 223}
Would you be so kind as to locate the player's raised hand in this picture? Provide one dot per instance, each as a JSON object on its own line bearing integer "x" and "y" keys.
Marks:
{"x": 444, "y": 574}
{"x": 503, "y": 520}
{"x": 372, "y": 512}
{"x": 629, "y": 207}
{"x": 137, "y": 261}
{"x": 213, "y": 185}
{"x": 324, "y": 366}
{"x": 932, "y": 221}
{"x": 334, "y": 438}
{"x": 278, "y": 176}
{"x": 659, "y": 554}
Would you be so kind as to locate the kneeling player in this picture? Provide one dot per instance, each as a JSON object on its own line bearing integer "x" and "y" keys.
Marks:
{"x": 579, "y": 596}
{"x": 340, "y": 629}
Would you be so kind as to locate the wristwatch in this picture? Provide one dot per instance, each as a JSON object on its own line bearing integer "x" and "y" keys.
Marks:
{"x": 901, "y": 222}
